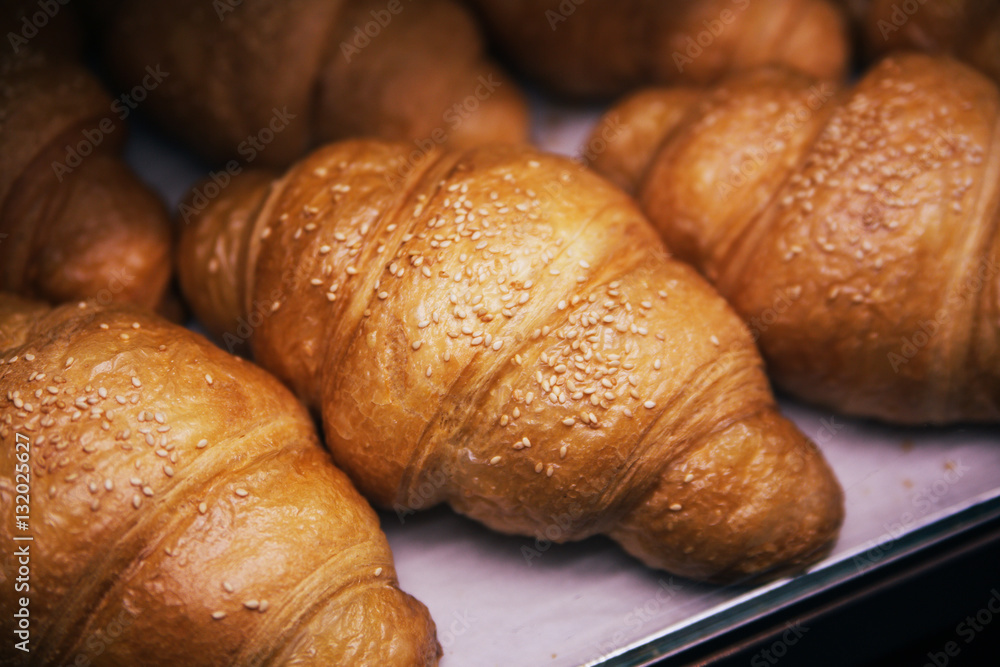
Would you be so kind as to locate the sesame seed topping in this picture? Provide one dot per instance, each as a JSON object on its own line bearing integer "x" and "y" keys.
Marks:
{"x": 689, "y": 477}
{"x": 416, "y": 344}
{"x": 218, "y": 615}
{"x": 228, "y": 587}
{"x": 649, "y": 405}
{"x": 136, "y": 382}
{"x": 208, "y": 379}
{"x": 202, "y": 509}
{"x": 136, "y": 501}
{"x": 202, "y": 444}
{"x": 378, "y": 572}
{"x": 242, "y": 493}
{"x": 675, "y": 508}
{"x": 539, "y": 467}
{"x": 251, "y": 604}
{"x": 495, "y": 460}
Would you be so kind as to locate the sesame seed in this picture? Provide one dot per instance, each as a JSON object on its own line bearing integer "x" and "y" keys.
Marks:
{"x": 550, "y": 470}
{"x": 649, "y": 405}
{"x": 202, "y": 444}
{"x": 208, "y": 378}
{"x": 563, "y": 450}
{"x": 228, "y": 587}
{"x": 242, "y": 493}
{"x": 148, "y": 492}
{"x": 569, "y": 421}
{"x": 495, "y": 460}
{"x": 715, "y": 340}
{"x": 351, "y": 271}
{"x": 656, "y": 364}
{"x": 202, "y": 508}
{"x": 416, "y": 344}
{"x": 264, "y": 606}
{"x": 378, "y": 570}
{"x": 689, "y": 477}
{"x": 539, "y": 467}
{"x": 675, "y": 508}
{"x": 160, "y": 418}
{"x": 136, "y": 382}
{"x": 218, "y": 615}
{"x": 251, "y": 604}
{"x": 504, "y": 420}
{"x": 428, "y": 372}
{"x": 136, "y": 501}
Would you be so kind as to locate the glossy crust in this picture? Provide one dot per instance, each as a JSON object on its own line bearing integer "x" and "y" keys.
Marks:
{"x": 602, "y": 48}
{"x": 182, "y": 510}
{"x": 501, "y": 330}
{"x": 966, "y": 29}
{"x": 855, "y": 230}
{"x": 307, "y": 70}
{"x": 75, "y": 221}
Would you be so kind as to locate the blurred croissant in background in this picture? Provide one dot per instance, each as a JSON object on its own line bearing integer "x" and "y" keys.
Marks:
{"x": 75, "y": 221}
{"x": 966, "y": 29}
{"x": 263, "y": 80}
{"x": 602, "y": 48}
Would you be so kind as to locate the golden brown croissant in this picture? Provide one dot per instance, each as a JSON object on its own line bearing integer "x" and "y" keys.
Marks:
{"x": 75, "y": 221}
{"x": 261, "y": 80}
{"x": 179, "y": 507}
{"x": 967, "y": 29}
{"x": 856, "y": 231}
{"x": 606, "y": 47}
{"x": 503, "y": 331}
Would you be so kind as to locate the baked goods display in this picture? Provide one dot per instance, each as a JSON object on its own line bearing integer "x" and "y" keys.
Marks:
{"x": 75, "y": 221}
{"x": 175, "y": 507}
{"x": 966, "y": 29}
{"x": 554, "y": 351}
{"x": 855, "y": 230}
{"x": 287, "y": 75}
{"x": 507, "y": 324}
{"x": 602, "y": 48}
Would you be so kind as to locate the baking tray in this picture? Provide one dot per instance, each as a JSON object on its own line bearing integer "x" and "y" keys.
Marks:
{"x": 508, "y": 601}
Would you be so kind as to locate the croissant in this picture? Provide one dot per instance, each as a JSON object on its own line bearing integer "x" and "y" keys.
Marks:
{"x": 261, "y": 80}
{"x": 174, "y": 507}
{"x": 967, "y": 29}
{"x": 856, "y": 231}
{"x": 75, "y": 221}
{"x": 603, "y": 48}
{"x": 497, "y": 329}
